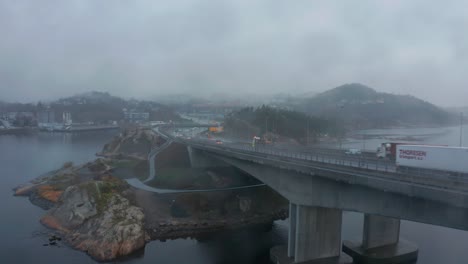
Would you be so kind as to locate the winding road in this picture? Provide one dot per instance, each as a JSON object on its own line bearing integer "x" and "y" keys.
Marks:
{"x": 136, "y": 183}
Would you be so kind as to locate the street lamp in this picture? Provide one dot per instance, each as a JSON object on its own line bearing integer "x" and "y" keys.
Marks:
{"x": 363, "y": 140}
{"x": 461, "y": 129}
{"x": 340, "y": 136}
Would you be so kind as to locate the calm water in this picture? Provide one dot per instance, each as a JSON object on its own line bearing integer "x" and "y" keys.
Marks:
{"x": 24, "y": 157}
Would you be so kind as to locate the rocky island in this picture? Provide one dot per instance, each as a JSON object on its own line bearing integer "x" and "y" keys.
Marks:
{"x": 93, "y": 209}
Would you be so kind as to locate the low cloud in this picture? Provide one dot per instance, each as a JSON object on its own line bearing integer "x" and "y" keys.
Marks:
{"x": 148, "y": 48}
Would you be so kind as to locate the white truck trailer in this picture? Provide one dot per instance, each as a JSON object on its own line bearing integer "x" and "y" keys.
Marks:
{"x": 453, "y": 159}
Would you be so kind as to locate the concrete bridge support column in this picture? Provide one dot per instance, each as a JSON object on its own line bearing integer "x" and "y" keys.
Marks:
{"x": 292, "y": 230}
{"x": 314, "y": 236}
{"x": 318, "y": 233}
{"x": 381, "y": 243}
{"x": 380, "y": 231}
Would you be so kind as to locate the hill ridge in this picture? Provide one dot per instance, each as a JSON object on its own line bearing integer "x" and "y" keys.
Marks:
{"x": 361, "y": 106}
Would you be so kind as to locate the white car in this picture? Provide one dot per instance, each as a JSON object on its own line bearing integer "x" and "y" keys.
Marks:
{"x": 353, "y": 152}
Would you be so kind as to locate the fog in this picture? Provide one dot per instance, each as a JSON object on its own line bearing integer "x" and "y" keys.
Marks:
{"x": 148, "y": 48}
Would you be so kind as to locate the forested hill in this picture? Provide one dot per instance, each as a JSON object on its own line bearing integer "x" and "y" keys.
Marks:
{"x": 359, "y": 106}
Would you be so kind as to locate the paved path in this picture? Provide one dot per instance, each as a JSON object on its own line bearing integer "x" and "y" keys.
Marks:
{"x": 151, "y": 160}
{"x": 134, "y": 182}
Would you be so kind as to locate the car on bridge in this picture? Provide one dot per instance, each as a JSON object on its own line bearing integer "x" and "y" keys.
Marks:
{"x": 353, "y": 152}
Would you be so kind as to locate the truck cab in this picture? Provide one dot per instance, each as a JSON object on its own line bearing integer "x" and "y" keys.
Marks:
{"x": 387, "y": 150}
{"x": 381, "y": 152}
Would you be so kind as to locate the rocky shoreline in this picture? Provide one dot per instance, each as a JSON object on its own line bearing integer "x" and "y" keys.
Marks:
{"x": 98, "y": 213}
{"x": 90, "y": 209}
{"x": 183, "y": 229}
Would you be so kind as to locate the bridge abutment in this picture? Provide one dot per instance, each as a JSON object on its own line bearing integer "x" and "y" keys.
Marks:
{"x": 200, "y": 160}
{"x": 381, "y": 243}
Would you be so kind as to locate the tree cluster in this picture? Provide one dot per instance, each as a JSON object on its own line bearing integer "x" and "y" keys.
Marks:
{"x": 249, "y": 122}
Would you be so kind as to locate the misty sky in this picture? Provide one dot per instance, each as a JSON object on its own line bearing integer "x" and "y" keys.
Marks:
{"x": 146, "y": 48}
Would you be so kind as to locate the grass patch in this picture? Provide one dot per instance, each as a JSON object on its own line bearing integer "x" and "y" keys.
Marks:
{"x": 124, "y": 163}
{"x": 200, "y": 178}
{"x": 180, "y": 178}
{"x": 125, "y": 169}
{"x": 141, "y": 170}
{"x": 62, "y": 181}
{"x": 102, "y": 191}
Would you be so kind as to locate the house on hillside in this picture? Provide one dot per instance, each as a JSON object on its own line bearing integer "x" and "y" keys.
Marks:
{"x": 133, "y": 116}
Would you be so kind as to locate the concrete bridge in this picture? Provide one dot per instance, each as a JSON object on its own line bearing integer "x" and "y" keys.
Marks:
{"x": 319, "y": 186}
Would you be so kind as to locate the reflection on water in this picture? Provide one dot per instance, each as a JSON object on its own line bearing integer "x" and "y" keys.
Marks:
{"x": 23, "y": 158}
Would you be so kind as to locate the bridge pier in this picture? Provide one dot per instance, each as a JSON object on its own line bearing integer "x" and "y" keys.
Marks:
{"x": 318, "y": 233}
{"x": 380, "y": 231}
{"x": 381, "y": 243}
{"x": 292, "y": 230}
{"x": 314, "y": 236}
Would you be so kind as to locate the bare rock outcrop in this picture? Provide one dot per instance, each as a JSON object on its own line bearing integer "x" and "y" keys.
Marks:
{"x": 75, "y": 207}
{"x": 103, "y": 224}
{"x": 119, "y": 231}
